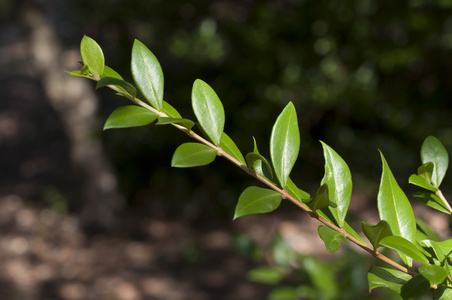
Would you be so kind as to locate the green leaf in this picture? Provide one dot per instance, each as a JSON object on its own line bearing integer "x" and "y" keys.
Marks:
{"x": 130, "y": 116}
{"x": 385, "y": 277}
{"x": 443, "y": 293}
{"x": 402, "y": 245}
{"x": 394, "y": 207}
{"x": 434, "y": 274}
{"x": 297, "y": 193}
{"x": 109, "y": 72}
{"x": 228, "y": 145}
{"x": 339, "y": 181}
{"x": 266, "y": 275}
{"x": 126, "y": 86}
{"x": 421, "y": 182}
{"x": 321, "y": 199}
{"x": 323, "y": 278}
{"x": 147, "y": 74}
{"x": 376, "y": 232}
{"x": 285, "y": 143}
{"x": 415, "y": 287}
{"x": 92, "y": 56}
{"x": 254, "y": 161}
{"x": 431, "y": 200}
{"x": 208, "y": 110}
{"x": 432, "y": 150}
{"x": 331, "y": 238}
{"x": 445, "y": 246}
{"x": 347, "y": 227}
{"x": 255, "y": 200}
{"x": 430, "y": 233}
{"x": 193, "y": 155}
{"x": 170, "y": 111}
{"x": 79, "y": 73}
{"x": 180, "y": 121}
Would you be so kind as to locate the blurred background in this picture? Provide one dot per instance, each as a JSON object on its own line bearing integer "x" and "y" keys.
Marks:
{"x": 88, "y": 214}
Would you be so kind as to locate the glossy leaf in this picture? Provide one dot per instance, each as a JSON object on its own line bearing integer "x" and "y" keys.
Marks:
{"x": 376, "y": 232}
{"x": 208, "y": 110}
{"x": 255, "y": 200}
{"x": 386, "y": 277}
{"x": 432, "y": 150}
{"x": 443, "y": 293}
{"x": 92, "y": 56}
{"x": 299, "y": 194}
{"x": 109, "y": 72}
{"x": 320, "y": 200}
{"x": 170, "y": 111}
{"x": 254, "y": 161}
{"x": 415, "y": 287}
{"x": 434, "y": 274}
{"x": 331, "y": 238}
{"x": 193, "y": 155}
{"x": 228, "y": 145}
{"x": 266, "y": 275}
{"x": 339, "y": 181}
{"x": 180, "y": 121}
{"x": 347, "y": 227}
{"x": 431, "y": 200}
{"x": 130, "y": 116}
{"x": 147, "y": 74}
{"x": 394, "y": 207}
{"x": 126, "y": 86}
{"x": 421, "y": 182}
{"x": 285, "y": 143}
{"x": 402, "y": 245}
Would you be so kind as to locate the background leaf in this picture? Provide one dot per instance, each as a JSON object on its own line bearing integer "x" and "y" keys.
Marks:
{"x": 208, "y": 110}
{"x": 255, "y": 200}
{"x": 394, "y": 207}
{"x": 228, "y": 145}
{"x": 92, "y": 56}
{"x": 193, "y": 155}
{"x": 130, "y": 116}
{"x": 285, "y": 143}
{"x": 376, "y": 232}
{"x": 331, "y": 238}
{"x": 266, "y": 275}
{"x": 339, "y": 181}
{"x": 432, "y": 150}
{"x": 147, "y": 74}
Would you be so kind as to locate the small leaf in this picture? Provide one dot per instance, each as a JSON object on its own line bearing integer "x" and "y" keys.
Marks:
{"x": 147, "y": 74}
{"x": 170, "y": 111}
{"x": 126, "y": 86}
{"x": 266, "y": 275}
{"x": 376, "y": 232}
{"x": 180, "y": 121}
{"x": 431, "y": 200}
{"x": 109, "y": 72}
{"x": 193, "y": 155}
{"x": 434, "y": 274}
{"x": 432, "y": 150}
{"x": 299, "y": 194}
{"x": 228, "y": 145}
{"x": 255, "y": 200}
{"x": 430, "y": 233}
{"x": 347, "y": 227}
{"x": 445, "y": 246}
{"x": 78, "y": 73}
{"x": 421, "y": 182}
{"x": 254, "y": 161}
{"x": 443, "y": 293}
{"x": 339, "y": 181}
{"x": 208, "y": 110}
{"x": 331, "y": 238}
{"x": 321, "y": 199}
{"x": 426, "y": 171}
{"x": 402, "y": 245}
{"x": 130, "y": 116}
{"x": 385, "y": 277}
{"x": 285, "y": 143}
{"x": 415, "y": 287}
{"x": 92, "y": 56}
{"x": 394, "y": 207}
